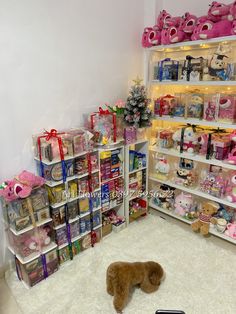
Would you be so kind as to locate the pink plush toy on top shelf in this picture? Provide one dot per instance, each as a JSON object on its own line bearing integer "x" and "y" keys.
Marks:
{"x": 188, "y": 23}
{"x": 172, "y": 35}
{"x": 145, "y": 41}
{"x": 209, "y": 29}
{"x": 162, "y": 19}
{"x": 154, "y": 36}
{"x": 233, "y": 10}
{"x": 219, "y": 11}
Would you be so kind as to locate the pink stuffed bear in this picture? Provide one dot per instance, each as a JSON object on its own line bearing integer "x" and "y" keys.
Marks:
{"x": 231, "y": 230}
{"x": 145, "y": 41}
{"x": 162, "y": 19}
{"x": 231, "y": 189}
{"x": 21, "y": 186}
{"x": 219, "y": 11}
{"x": 172, "y": 35}
{"x": 209, "y": 29}
{"x": 188, "y": 24}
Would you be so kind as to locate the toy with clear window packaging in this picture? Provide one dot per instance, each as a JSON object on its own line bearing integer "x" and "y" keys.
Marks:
{"x": 194, "y": 107}
{"x": 227, "y": 108}
{"x": 211, "y": 107}
{"x": 179, "y": 107}
{"x": 166, "y": 139}
{"x": 165, "y": 105}
{"x": 231, "y": 188}
{"x": 168, "y": 70}
{"x": 213, "y": 182}
{"x": 186, "y": 139}
{"x": 185, "y": 174}
{"x": 163, "y": 168}
{"x": 183, "y": 204}
{"x": 165, "y": 197}
{"x": 221, "y": 144}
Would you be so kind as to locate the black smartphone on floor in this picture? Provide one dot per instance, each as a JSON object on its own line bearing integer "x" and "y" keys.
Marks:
{"x": 169, "y": 312}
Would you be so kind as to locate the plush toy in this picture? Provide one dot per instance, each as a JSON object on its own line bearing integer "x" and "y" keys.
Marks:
{"x": 232, "y": 10}
{"x": 203, "y": 141}
{"x": 231, "y": 188}
{"x": 219, "y": 11}
{"x": 154, "y": 36}
{"x": 21, "y": 186}
{"x": 187, "y": 24}
{"x": 231, "y": 230}
{"x": 209, "y": 29}
{"x": 190, "y": 139}
{"x": 173, "y": 21}
{"x": 94, "y": 162}
{"x": 162, "y": 168}
{"x": 233, "y": 29}
{"x": 122, "y": 277}
{"x": 162, "y": 19}
{"x": 183, "y": 204}
{"x": 145, "y": 38}
{"x": 205, "y": 217}
{"x": 165, "y": 196}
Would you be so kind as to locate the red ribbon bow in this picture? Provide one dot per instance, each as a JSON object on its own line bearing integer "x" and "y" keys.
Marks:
{"x": 52, "y": 133}
{"x": 102, "y": 111}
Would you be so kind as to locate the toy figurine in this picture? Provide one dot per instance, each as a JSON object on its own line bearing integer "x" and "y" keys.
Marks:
{"x": 211, "y": 107}
{"x": 195, "y": 106}
{"x": 185, "y": 174}
{"x": 189, "y": 138}
{"x": 162, "y": 168}
{"x": 183, "y": 204}
{"x": 205, "y": 218}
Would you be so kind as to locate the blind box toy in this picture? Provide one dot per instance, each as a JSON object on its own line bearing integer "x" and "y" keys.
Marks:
{"x": 194, "y": 105}
{"x": 168, "y": 70}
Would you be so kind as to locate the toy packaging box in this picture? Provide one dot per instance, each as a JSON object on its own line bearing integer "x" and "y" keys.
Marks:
{"x": 72, "y": 209}
{"x": 83, "y": 205}
{"x": 168, "y": 70}
{"x": 61, "y": 236}
{"x": 194, "y": 105}
{"x": 54, "y": 172}
{"x": 56, "y": 194}
{"x": 81, "y": 165}
{"x": 38, "y": 269}
{"x": 103, "y": 123}
{"x": 32, "y": 241}
{"x": 227, "y": 108}
{"x": 58, "y": 215}
{"x": 211, "y": 107}
{"x": 130, "y": 135}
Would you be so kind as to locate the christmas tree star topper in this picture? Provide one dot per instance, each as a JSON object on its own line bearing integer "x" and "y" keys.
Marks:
{"x": 137, "y": 81}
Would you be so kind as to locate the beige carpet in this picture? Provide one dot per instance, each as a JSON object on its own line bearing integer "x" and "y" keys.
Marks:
{"x": 200, "y": 276}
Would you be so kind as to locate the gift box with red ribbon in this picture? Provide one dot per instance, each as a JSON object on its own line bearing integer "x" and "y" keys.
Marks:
{"x": 103, "y": 124}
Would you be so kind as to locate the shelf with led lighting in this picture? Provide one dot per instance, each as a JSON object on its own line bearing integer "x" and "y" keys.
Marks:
{"x": 196, "y": 44}
{"x": 192, "y": 83}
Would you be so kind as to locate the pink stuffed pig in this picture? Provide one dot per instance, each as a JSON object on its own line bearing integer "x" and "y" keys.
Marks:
{"x": 145, "y": 41}
{"x": 209, "y": 29}
{"x": 231, "y": 230}
{"x": 219, "y": 11}
{"x": 162, "y": 19}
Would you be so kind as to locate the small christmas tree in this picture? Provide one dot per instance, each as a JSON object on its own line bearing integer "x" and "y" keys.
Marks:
{"x": 137, "y": 112}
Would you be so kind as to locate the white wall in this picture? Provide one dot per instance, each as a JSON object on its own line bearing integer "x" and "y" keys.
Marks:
{"x": 60, "y": 59}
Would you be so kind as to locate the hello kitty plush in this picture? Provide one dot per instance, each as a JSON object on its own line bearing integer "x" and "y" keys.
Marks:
{"x": 162, "y": 168}
{"x": 190, "y": 140}
{"x": 183, "y": 204}
{"x": 231, "y": 188}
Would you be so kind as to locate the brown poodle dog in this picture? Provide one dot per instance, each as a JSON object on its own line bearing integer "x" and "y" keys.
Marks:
{"x": 122, "y": 276}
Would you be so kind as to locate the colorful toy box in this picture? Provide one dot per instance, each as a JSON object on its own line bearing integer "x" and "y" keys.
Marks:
{"x": 56, "y": 194}
{"x": 130, "y": 135}
{"x": 194, "y": 106}
{"x": 211, "y": 107}
{"x": 38, "y": 269}
{"x": 165, "y": 139}
{"x": 227, "y": 108}
{"x": 58, "y": 215}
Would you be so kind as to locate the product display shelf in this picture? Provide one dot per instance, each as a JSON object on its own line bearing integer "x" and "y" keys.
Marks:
{"x": 38, "y": 224}
{"x": 133, "y": 149}
{"x": 189, "y": 45}
{"x": 195, "y": 157}
{"x": 196, "y": 122}
{"x": 189, "y": 83}
{"x": 108, "y": 206}
{"x": 171, "y": 213}
{"x": 194, "y": 191}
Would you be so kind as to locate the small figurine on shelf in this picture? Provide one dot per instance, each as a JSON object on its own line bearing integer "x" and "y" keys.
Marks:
{"x": 165, "y": 197}
{"x": 231, "y": 188}
{"x": 183, "y": 204}
{"x": 205, "y": 217}
{"x": 186, "y": 139}
{"x": 195, "y": 106}
{"x": 163, "y": 168}
{"x": 211, "y": 108}
{"x": 185, "y": 174}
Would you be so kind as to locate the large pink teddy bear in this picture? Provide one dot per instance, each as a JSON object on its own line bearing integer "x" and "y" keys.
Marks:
{"x": 209, "y": 29}
{"x": 21, "y": 186}
{"x": 231, "y": 230}
{"x": 219, "y": 11}
{"x": 231, "y": 189}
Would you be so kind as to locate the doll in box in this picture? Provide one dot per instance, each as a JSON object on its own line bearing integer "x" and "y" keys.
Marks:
{"x": 163, "y": 168}
{"x": 195, "y": 106}
{"x": 227, "y": 108}
{"x": 185, "y": 174}
{"x": 186, "y": 140}
{"x": 211, "y": 109}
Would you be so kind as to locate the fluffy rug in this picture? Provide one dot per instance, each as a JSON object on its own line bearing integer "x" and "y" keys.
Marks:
{"x": 200, "y": 276}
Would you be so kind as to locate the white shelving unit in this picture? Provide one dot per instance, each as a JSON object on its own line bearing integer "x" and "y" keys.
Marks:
{"x": 120, "y": 207}
{"x": 156, "y": 88}
{"x": 140, "y": 146}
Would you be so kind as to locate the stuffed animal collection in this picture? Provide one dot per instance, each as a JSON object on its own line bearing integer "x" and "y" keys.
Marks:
{"x": 219, "y": 21}
{"x": 123, "y": 276}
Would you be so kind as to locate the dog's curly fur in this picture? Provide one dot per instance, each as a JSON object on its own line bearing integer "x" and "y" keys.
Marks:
{"x": 122, "y": 276}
